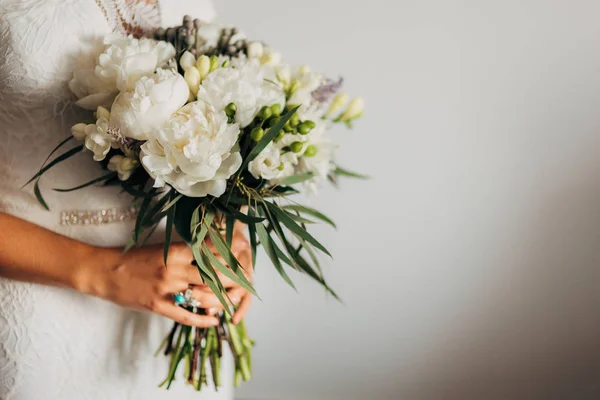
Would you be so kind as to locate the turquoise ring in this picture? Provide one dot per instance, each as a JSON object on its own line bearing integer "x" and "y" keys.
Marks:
{"x": 185, "y": 299}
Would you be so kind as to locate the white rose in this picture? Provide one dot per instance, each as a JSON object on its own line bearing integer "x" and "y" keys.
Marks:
{"x": 245, "y": 83}
{"x": 150, "y": 104}
{"x": 124, "y": 166}
{"x": 193, "y": 151}
{"x": 121, "y": 63}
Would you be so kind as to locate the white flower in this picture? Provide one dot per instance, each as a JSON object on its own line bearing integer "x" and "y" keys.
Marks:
{"x": 255, "y": 50}
{"x": 78, "y": 131}
{"x": 124, "y": 166}
{"x": 194, "y": 151}
{"x": 187, "y": 60}
{"x": 354, "y": 110}
{"x": 267, "y": 165}
{"x": 122, "y": 62}
{"x": 151, "y": 103}
{"x": 97, "y": 139}
{"x": 245, "y": 83}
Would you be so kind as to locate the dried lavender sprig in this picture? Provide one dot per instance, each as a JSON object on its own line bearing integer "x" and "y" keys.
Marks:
{"x": 327, "y": 90}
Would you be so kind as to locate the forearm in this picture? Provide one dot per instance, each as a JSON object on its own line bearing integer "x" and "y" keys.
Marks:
{"x": 31, "y": 253}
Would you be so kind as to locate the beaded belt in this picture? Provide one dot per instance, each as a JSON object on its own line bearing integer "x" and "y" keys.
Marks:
{"x": 97, "y": 217}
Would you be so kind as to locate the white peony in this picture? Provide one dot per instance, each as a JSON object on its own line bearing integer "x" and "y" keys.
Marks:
{"x": 193, "y": 151}
{"x": 124, "y": 166}
{"x": 151, "y": 103}
{"x": 122, "y": 62}
{"x": 245, "y": 83}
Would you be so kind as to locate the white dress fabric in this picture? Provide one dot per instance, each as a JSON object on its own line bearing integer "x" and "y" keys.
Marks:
{"x": 57, "y": 343}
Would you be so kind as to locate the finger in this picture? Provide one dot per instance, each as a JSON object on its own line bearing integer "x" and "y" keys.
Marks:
{"x": 242, "y": 309}
{"x": 183, "y": 316}
{"x": 207, "y": 299}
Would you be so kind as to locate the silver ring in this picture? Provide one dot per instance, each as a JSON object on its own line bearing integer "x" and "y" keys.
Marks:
{"x": 185, "y": 299}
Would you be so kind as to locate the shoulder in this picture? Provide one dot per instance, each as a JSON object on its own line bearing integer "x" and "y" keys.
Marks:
{"x": 173, "y": 10}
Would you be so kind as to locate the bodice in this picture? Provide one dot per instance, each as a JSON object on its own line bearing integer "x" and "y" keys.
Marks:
{"x": 41, "y": 42}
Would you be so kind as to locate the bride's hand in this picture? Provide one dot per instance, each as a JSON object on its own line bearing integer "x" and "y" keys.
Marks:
{"x": 139, "y": 280}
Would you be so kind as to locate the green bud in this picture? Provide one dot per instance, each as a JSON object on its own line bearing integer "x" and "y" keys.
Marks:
{"x": 304, "y": 129}
{"x": 310, "y": 151}
{"x": 288, "y": 128}
{"x": 214, "y": 63}
{"x": 257, "y": 134}
{"x": 273, "y": 121}
{"x": 265, "y": 112}
{"x": 279, "y": 136}
{"x": 230, "y": 110}
{"x": 225, "y": 64}
{"x": 276, "y": 109}
{"x": 310, "y": 124}
{"x": 294, "y": 120}
{"x": 296, "y": 147}
{"x": 281, "y": 166}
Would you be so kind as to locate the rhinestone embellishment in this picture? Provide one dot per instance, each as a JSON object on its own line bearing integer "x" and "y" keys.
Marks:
{"x": 97, "y": 217}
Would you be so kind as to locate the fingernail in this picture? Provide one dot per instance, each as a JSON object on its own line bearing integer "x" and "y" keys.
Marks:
{"x": 212, "y": 311}
{"x": 235, "y": 300}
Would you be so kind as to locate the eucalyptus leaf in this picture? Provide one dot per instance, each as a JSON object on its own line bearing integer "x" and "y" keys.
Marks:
{"x": 295, "y": 228}
{"x": 243, "y": 282}
{"x": 269, "y": 247}
{"x": 100, "y": 179}
{"x": 38, "y": 195}
{"x": 295, "y": 179}
{"x": 344, "y": 172}
{"x": 52, "y": 163}
{"x": 312, "y": 212}
{"x": 169, "y": 230}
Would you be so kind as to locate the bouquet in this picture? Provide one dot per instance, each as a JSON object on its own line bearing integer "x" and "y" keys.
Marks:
{"x": 206, "y": 129}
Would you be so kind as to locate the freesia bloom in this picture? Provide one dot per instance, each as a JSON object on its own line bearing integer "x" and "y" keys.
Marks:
{"x": 124, "y": 166}
{"x": 96, "y": 136}
{"x": 193, "y": 151}
{"x": 151, "y": 103}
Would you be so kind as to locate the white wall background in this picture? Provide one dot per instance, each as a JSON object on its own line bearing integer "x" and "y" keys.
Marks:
{"x": 469, "y": 264}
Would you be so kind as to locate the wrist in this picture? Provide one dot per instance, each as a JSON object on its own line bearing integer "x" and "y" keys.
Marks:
{"x": 93, "y": 267}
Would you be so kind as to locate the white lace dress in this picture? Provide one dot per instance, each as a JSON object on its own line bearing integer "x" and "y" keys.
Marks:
{"x": 57, "y": 343}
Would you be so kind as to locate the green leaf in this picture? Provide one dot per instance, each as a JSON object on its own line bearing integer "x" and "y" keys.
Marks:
{"x": 228, "y": 210}
{"x": 214, "y": 285}
{"x": 223, "y": 249}
{"x": 269, "y": 136}
{"x": 169, "y": 229}
{"x": 172, "y": 202}
{"x": 292, "y": 180}
{"x": 312, "y": 212}
{"x": 100, "y": 179}
{"x": 156, "y": 210}
{"x": 214, "y": 261}
{"x": 229, "y": 226}
{"x": 38, "y": 195}
{"x": 269, "y": 246}
{"x": 57, "y": 160}
{"x": 143, "y": 208}
{"x": 344, "y": 172}
{"x": 252, "y": 234}
{"x": 299, "y": 218}
{"x": 295, "y": 228}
